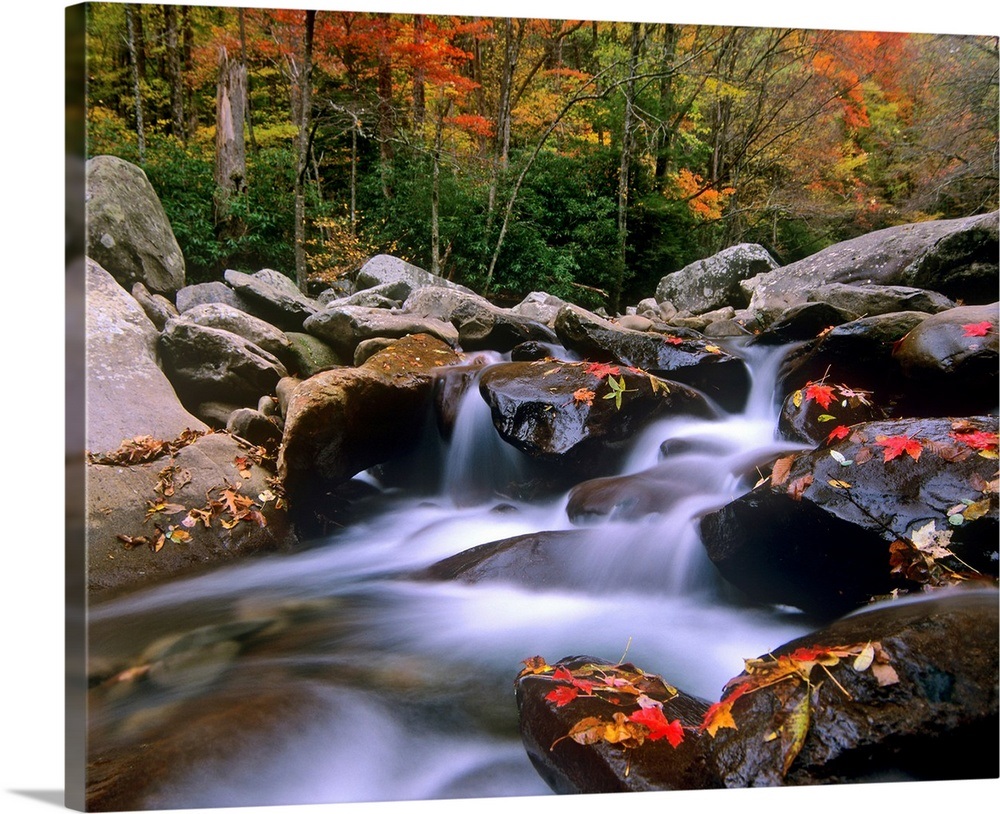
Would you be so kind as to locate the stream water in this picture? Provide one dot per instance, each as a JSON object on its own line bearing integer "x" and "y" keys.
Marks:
{"x": 400, "y": 689}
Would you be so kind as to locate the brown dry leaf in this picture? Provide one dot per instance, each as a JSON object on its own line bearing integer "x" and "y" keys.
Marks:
{"x": 782, "y": 466}
{"x": 798, "y": 486}
{"x": 586, "y": 731}
{"x": 863, "y": 455}
{"x": 884, "y": 674}
{"x": 793, "y": 732}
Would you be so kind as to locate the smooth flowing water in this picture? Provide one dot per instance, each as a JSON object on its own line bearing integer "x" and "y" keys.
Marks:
{"x": 398, "y": 689}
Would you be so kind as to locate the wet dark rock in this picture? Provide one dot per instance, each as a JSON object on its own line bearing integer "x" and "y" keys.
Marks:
{"x": 806, "y": 420}
{"x": 804, "y": 321}
{"x": 819, "y": 538}
{"x": 948, "y": 370}
{"x": 273, "y": 297}
{"x": 216, "y": 413}
{"x": 938, "y": 722}
{"x": 570, "y": 767}
{"x": 538, "y": 560}
{"x": 679, "y": 355}
{"x": 858, "y": 353}
{"x": 534, "y": 409}
{"x": 926, "y": 709}
{"x": 533, "y": 351}
{"x": 450, "y": 386}
{"x": 211, "y": 364}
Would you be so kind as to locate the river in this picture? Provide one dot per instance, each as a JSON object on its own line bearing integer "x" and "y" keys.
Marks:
{"x": 402, "y": 689}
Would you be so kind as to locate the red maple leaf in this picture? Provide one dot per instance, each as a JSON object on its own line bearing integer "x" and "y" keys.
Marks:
{"x": 822, "y": 394}
{"x": 658, "y": 725}
{"x": 602, "y": 370}
{"x": 977, "y": 328}
{"x": 837, "y": 433}
{"x": 562, "y": 695}
{"x": 896, "y": 445}
{"x": 673, "y": 340}
{"x": 976, "y": 439}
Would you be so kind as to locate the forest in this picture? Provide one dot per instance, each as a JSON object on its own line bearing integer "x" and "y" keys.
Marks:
{"x": 583, "y": 158}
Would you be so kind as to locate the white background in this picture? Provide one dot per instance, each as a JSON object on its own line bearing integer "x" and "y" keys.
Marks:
{"x": 31, "y": 432}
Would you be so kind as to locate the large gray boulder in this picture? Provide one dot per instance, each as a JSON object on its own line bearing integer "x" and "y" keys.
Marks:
{"x": 273, "y": 297}
{"x": 384, "y": 268}
{"x": 714, "y": 282}
{"x": 127, "y": 230}
{"x": 957, "y": 258}
{"x": 211, "y": 364}
{"x": 263, "y": 334}
{"x": 201, "y": 293}
{"x": 127, "y": 392}
{"x": 874, "y": 300}
{"x": 480, "y": 324}
{"x": 344, "y": 328}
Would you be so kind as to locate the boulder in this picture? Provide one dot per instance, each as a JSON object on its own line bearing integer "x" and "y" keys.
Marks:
{"x": 957, "y": 258}
{"x": 385, "y": 269}
{"x": 809, "y": 414}
{"x": 540, "y": 307}
{"x": 127, "y": 393}
{"x": 480, "y": 324}
{"x": 343, "y": 421}
{"x": 804, "y": 321}
{"x": 309, "y": 355}
{"x": 202, "y": 293}
{"x": 925, "y": 709}
{"x": 856, "y": 518}
{"x": 127, "y": 230}
{"x": 227, "y": 318}
{"x": 216, "y": 413}
{"x": 715, "y": 281}
{"x": 680, "y": 355}
{"x": 885, "y": 693}
{"x": 951, "y": 360}
{"x": 210, "y": 364}
{"x": 253, "y": 426}
{"x": 273, "y": 297}
{"x": 121, "y": 499}
{"x": 872, "y": 300}
{"x": 568, "y": 414}
{"x": 344, "y": 328}
{"x": 858, "y": 353}
{"x": 157, "y": 307}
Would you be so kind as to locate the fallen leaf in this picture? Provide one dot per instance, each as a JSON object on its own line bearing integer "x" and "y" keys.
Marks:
{"x": 896, "y": 445}
{"x": 799, "y": 485}
{"x": 793, "y": 732}
{"x": 782, "y": 466}
{"x": 864, "y": 658}
{"x": 977, "y": 328}
{"x": 839, "y": 484}
{"x": 822, "y": 394}
{"x": 838, "y": 433}
{"x": 562, "y": 695}
{"x": 584, "y": 395}
{"x": 659, "y": 727}
{"x": 673, "y": 340}
{"x": 602, "y": 370}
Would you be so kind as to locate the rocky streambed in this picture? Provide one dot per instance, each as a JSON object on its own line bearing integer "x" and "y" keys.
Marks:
{"x": 750, "y": 542}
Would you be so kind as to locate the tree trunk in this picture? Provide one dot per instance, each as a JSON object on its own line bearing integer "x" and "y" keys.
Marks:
{"x": 385, "y": 111}
{"x": 663, "y": 144}
{"x": 230, "y": 156}
{"x": 187, "y": 46}
{"x": 625, "y": 167}
{"x": 442, "y": 112}
{"x": 130, "y": 14}
{"x": 303, "y": 112}
{"x": 175, "y": 77}
{"x": 419, "y": 105}
{"x": 243, "y": 60}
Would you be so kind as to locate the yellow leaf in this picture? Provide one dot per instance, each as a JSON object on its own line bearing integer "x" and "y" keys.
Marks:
{"x": 793, "y": 733}
{"x": 864, "y": 658}
{"x": 797, "y": 398}
{"x": 839, "y": 484}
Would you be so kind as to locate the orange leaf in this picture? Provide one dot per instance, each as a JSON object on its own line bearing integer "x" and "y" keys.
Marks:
{"x": 658, "y": 725}
{"x": 838, "y": 433}
{"x": 584, "y": 395}
{"x": 562, "y": 695}
{"x": 602, "y": 370}
{"x": 822, "y": 394}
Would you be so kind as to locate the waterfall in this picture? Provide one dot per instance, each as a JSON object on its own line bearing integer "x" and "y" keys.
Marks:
{"x": 416, "y": 674}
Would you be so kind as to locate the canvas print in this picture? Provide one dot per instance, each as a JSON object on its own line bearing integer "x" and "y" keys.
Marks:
{"x": 482, "y": 407}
